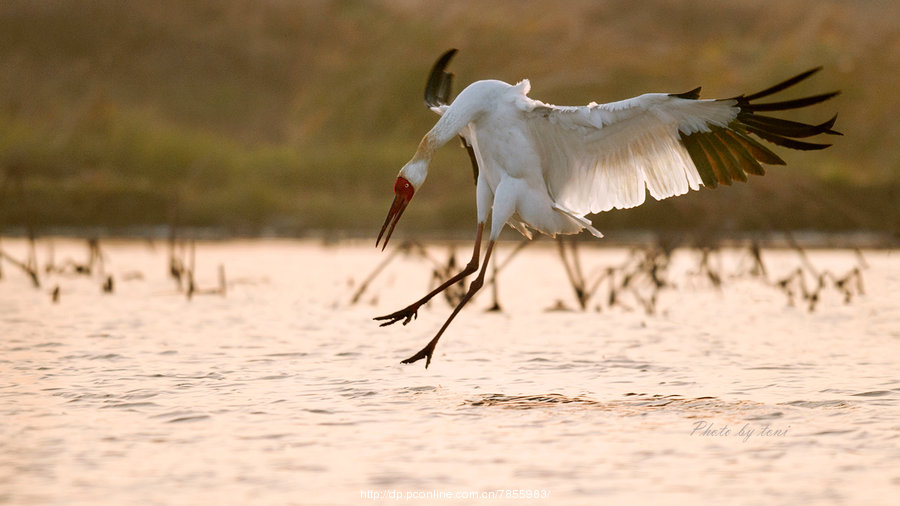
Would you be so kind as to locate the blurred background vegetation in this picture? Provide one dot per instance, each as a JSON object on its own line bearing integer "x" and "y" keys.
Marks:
{"x": 289, "y": 117}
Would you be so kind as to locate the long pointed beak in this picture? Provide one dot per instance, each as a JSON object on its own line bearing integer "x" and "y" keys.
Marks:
{"x": 393, "y": 217}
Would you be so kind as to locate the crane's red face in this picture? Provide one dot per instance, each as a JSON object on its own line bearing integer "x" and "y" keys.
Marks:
{"x": 403, "y": 192}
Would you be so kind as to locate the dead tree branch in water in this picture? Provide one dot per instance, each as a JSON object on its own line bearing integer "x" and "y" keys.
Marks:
{"x": 498, "y": 267}
{"x": 189, "y": 274}
{"x": 27, "y": 267}
{"x": 15, "y": 175}
{"x": 93, "y": 265}
{"x": 182, "y": 265}
{"x": 642, "y": 275}
{"x": 405, "y": 248}
{"x": 440, "y": 270}
{"x": 572, "y": 266}
{"x": 638, "y": 281}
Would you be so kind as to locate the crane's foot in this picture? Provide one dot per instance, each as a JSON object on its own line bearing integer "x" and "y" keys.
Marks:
{"x": 425, "y": 353}
{"x": 406, "y": 314}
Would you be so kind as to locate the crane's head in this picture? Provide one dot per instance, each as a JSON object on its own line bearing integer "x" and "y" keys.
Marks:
{"x": 403, "y": 193}
{"x": 404, "y": 188}
{"x": 411, "y": 176}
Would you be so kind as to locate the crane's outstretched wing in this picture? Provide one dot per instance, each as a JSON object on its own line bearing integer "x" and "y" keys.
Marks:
{"x": 598, "y": 157}
{"x": 440, "y": 83}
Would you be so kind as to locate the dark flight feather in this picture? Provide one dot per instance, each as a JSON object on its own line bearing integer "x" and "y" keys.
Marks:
{"x": 723, "y": 155}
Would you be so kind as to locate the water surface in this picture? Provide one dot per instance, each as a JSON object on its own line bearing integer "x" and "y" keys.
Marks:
{"x": 282, "y": 392}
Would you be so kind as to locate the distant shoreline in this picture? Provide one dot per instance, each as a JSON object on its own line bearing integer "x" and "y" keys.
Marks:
{"x": 861, "y": 239}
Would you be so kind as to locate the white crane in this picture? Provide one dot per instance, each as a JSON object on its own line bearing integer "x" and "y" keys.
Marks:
{"x": 545, "y": 167}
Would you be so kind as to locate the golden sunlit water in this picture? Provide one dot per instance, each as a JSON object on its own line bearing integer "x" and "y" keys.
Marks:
{"x": 283, "y": 392}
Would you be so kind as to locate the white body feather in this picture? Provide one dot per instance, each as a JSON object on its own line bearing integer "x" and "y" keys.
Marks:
{"x": 548, "y": 166}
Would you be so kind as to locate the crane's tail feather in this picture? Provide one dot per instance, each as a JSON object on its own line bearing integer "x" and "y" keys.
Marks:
{"x": 725, "y": 154}
{"x": 579, "y": 219}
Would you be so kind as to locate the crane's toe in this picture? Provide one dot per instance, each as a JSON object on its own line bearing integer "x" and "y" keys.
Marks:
{"x": 406, "y": 314}
{"x": 425, "y": 353}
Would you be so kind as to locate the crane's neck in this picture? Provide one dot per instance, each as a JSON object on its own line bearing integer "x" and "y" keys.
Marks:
{"x": 447, "y": 127}
{"x": 460, "y": 113}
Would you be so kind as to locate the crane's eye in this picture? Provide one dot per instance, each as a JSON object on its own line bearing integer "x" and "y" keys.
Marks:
{"x": 404, "y": 187}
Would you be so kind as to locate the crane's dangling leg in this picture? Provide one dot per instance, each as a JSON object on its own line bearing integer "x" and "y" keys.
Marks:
{"x": 409, "y": 312}
{"x": 477, "y": 283}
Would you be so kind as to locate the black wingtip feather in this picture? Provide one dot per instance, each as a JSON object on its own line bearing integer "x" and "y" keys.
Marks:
{"x": 690, "y": 95}
{"x": 760, "y": 152}
{"x": 787, "y": 104}
{"x": 779, "y": 131}
{"x": 831, "y": 124}
{"x": 438, "y": 88}
{"x": 719, "y": 166}
{"x": 785, "y": 141}
{"x": 747, "y": 163}
{"x": 725, "y": 154}
{"x": 782, "y": 85}
{"x": 787, "y": 128}
{"x": 695, "y": 150}
{"x": 728, "y": 156}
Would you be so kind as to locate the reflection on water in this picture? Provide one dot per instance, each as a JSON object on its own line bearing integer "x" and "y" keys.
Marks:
{"x": 282, "y": 392}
